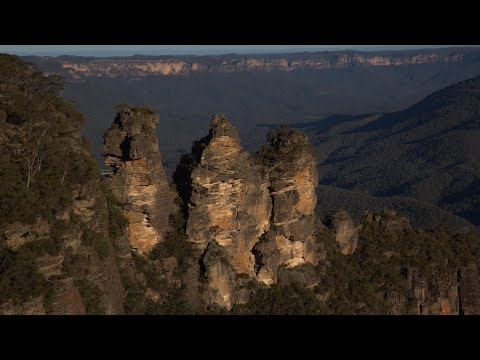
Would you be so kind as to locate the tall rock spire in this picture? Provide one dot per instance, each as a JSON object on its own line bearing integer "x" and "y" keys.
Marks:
{"x": 292, "y": 172}
{"x": 250, "y": 214}
{"x": 131, "y": 149}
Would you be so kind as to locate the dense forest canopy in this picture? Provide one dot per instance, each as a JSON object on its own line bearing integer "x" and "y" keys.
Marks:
{"x": 40, "y": 161}
{"x": 43, "y": 158}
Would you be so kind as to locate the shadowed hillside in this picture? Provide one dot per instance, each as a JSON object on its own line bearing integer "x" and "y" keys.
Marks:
{"x": 428, "y": 152}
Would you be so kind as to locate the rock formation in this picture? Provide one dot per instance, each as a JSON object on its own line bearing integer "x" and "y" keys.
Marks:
{"x": 292, "y": 172}
{"x": 230, "y": 204}
{"x": 388, "y": 220}
{"x": 138, "y": 180}
{"x": 346, "y": 232}
{"x": 250, "y": 214}
{"x": 65, "y": 244}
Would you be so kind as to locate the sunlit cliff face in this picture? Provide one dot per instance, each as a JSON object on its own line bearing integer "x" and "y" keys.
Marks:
{"x": 117, "y": 68}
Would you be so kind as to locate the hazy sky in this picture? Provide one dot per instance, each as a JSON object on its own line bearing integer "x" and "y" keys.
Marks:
{"x": 126, "y": 50}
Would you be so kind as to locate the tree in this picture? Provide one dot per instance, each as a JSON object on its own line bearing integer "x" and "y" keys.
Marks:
{"x": 34, "y": 154}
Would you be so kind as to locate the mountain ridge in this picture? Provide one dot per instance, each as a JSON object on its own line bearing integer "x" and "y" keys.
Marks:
{"x": 77, "y": 68}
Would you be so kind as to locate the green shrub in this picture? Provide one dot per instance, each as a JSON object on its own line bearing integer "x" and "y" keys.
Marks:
{"x": 20, "y": 279}
{"x": 175, "y": 244}
{"x": 3, "y": 116}
{"x": 97, "y": 242}
{"x": 282, "y": 300}
{"x": 117, "y": 221}
{"x": 74, "y": 264}
{"x": 137, "y": 108}
{"x": 91, "y": 297}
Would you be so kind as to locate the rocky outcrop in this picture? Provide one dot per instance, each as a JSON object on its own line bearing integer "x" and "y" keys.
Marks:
{"x": 432, "y": 294}
{"x": 388, "y": 220}
{"x": 346, "y": 231}
{"x": 429, "y": 290}
{"x": 250, "y": 214}
{"x": 220, "y": 276}
{"x": 291, "y": 169}
{"x": 138, "y": 180}
{"x": 230, "y": 202}
{"x": 18, "y": 234}
{"x": 435, "y": 294}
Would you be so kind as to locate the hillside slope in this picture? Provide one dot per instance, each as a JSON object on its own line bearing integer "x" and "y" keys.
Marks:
{"x": 59, "y": 233}
{"x": 428, "y": 152}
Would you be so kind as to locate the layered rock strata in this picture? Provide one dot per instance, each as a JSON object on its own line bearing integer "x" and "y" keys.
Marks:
{"x": 138, "y": 180}
{"x": 79, "y": 69}
{"x": 290, "y": 163}
{"x": 250, "y": 214}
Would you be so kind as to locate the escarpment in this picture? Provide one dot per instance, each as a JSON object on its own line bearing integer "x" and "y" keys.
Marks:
{"x": 240, "y": 201}
{"x": 79, "y": 69}
{"x": 138, "y": 180}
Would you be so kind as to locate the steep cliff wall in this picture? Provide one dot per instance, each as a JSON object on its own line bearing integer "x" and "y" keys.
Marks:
{"x": 230, "y": 204}
{"x": 291, "y": 168}
{"x": 138, "y": 180}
